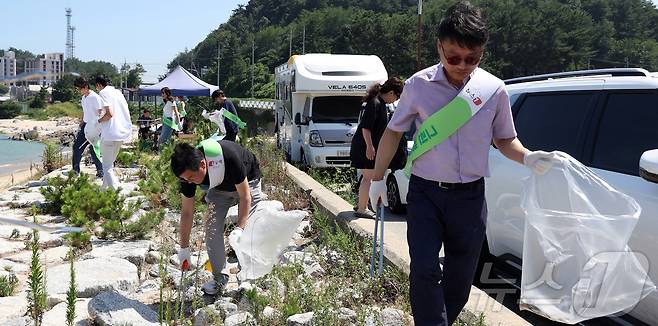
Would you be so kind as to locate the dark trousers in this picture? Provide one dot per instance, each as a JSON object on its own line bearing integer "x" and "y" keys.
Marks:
{"x": 455, "y": 218}
{"x": 79, "y": 146}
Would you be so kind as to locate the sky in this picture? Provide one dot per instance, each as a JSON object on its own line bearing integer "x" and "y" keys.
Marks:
{"x": 149, "y": 32}
{"x": 135, "y": 31}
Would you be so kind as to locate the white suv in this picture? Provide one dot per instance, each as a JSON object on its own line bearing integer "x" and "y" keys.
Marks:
{"x": 608, "y": 120}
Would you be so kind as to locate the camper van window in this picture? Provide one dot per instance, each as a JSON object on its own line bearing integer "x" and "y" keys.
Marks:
{"x": 344, "y": 109}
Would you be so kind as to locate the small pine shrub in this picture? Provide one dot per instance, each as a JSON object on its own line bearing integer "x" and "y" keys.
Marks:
{"x": 71, "y": 293}
{"x": 52, "y": 158}
{"x": 8, "y": 285}
{"x": 36, "y": 292}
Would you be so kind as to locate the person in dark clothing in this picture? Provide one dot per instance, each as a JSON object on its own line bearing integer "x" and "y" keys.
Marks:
{"x": 230, "y": 175}
{"x": 224, "y": 103}
{"x": 144, "y": 121}
{"x": 372, "y": 123}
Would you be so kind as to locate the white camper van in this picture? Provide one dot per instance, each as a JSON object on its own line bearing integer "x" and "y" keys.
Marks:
{"x": 318, "y": 100}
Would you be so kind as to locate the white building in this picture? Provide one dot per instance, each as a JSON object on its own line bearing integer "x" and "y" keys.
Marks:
{"x": 8, "y": 65}
{"x": 51, "y": 63}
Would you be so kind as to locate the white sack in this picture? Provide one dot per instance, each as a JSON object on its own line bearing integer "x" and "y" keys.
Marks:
{"x": 576, "y": 261}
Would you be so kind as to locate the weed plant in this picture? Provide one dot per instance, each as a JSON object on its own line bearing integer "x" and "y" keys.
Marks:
{"x": 36, "y": 292}
{"x": 8, "y": 285}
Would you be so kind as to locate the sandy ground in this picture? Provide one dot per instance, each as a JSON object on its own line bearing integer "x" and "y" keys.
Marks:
{"x": 17, "y": 177}
{"x": 11, "y": 127}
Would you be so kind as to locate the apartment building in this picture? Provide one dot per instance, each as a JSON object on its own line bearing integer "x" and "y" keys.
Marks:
{"x": 8, "y": 65}
{"x": 51, "y": 65}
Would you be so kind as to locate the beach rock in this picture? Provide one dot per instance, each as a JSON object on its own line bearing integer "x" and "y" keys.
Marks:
{"x": 8, "y": 247}
{"x": 21, "y": 199}
{"x": 50, "y": 256}
{"x": 314, "y": 270}
{"x": 270, "y": 313}
{"x": 240, "y": 319}
{"x": 207, "y": 316}
{"x": 228, "y": 308}
{"x": 347, "y": 314}
{"x": 152, "y": 257}
{"x": 387, "y": 317}
{"x": 57, "y": 315}
{"x": 112, "y": 308}
{"x": 92, "y": 277}
{"x": 133, "y": 251}
{"x": 12, "y": 307}
{"x": 12, "y": 266}
{"x": 17, "y": 321}
{"x": 305, "y": 319}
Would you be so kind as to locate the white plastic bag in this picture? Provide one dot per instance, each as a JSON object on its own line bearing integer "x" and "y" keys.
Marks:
{"x": 268, "y": 231}
{"x": 93, "y": 131}
{"x": 216, "y": 117}
{"x": 576, "y": 261}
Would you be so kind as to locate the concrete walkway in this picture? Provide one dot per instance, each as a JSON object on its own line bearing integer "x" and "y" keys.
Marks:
{"x": 396, "y": 250}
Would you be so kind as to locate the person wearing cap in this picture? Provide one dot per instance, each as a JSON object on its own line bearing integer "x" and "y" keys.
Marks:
{"x": 91, "y": 104}
{"x": 459, "y": 110}
{"x": 224, "y": 103}
{"x": 229, "y": 174}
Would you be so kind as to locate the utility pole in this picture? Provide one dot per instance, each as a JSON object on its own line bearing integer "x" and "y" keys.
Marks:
{"x": 253, "y": 48}
{"x": 304, "y": 41}
{"x": 419, "y": 34}
{"x": 219, "y": 53}
{"x": 290, "y": 45}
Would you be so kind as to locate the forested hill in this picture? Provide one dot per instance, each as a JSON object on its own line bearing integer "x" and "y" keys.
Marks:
{"x": 527, "y": 37}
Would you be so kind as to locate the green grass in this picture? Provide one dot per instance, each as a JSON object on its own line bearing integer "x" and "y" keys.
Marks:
{"x": 66, "y": 109}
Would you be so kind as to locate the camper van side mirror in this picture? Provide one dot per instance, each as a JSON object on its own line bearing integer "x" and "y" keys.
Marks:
{"x": 298, "y": 119}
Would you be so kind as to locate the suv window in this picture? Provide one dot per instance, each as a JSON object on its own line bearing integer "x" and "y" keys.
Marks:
{"x": 554, "y": 121}
{"x": 629, "y": 126}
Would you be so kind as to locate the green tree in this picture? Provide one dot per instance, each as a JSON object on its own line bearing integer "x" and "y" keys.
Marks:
{"x": 134, "y": 78}
{"x": 4, "y": 89}
{"x": 39, "y": 99}
{"x": 64, "y": 90}
{"x": 9, "y": 110}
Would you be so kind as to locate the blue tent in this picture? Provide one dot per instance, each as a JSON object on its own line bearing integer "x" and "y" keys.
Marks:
{"x": 181, "y": 83}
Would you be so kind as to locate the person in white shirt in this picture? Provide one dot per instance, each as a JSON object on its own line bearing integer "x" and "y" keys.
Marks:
{"x": 91, "y": 104}
{"x": 116, "y": 127}
{"x": 170, "y": 116}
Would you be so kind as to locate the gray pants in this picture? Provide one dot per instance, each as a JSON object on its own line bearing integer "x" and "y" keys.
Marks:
{"x": 222, "y": 201}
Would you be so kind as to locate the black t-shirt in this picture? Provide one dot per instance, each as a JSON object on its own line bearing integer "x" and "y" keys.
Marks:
{"x": 240, "y": 164}
{"x": 374, "y": 117}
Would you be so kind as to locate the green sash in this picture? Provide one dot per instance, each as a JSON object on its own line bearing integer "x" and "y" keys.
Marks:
{"x": 169, "y": 122}
{"x": 229, "y": 115}
{"x": 448, "y": 119}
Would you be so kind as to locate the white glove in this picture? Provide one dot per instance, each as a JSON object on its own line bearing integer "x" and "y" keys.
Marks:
{"x": 539, "y": 161}
{"x": 183, "y": 256}
{"x": 377, "y": 192}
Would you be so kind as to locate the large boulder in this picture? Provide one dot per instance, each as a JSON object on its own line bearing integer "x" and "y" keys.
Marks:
{"x": 92, "y": 276}
{"x": 57, "y": 315}
{"x": 112, "y": 308}
{"x": 133, "y": 251}
{"x": 12, "y": 307}
{"x": 305, "y": 319}
{"x": 240, "y": 319}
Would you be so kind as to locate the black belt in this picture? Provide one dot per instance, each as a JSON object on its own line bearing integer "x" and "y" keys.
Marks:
{"x": 453, "y": 186}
